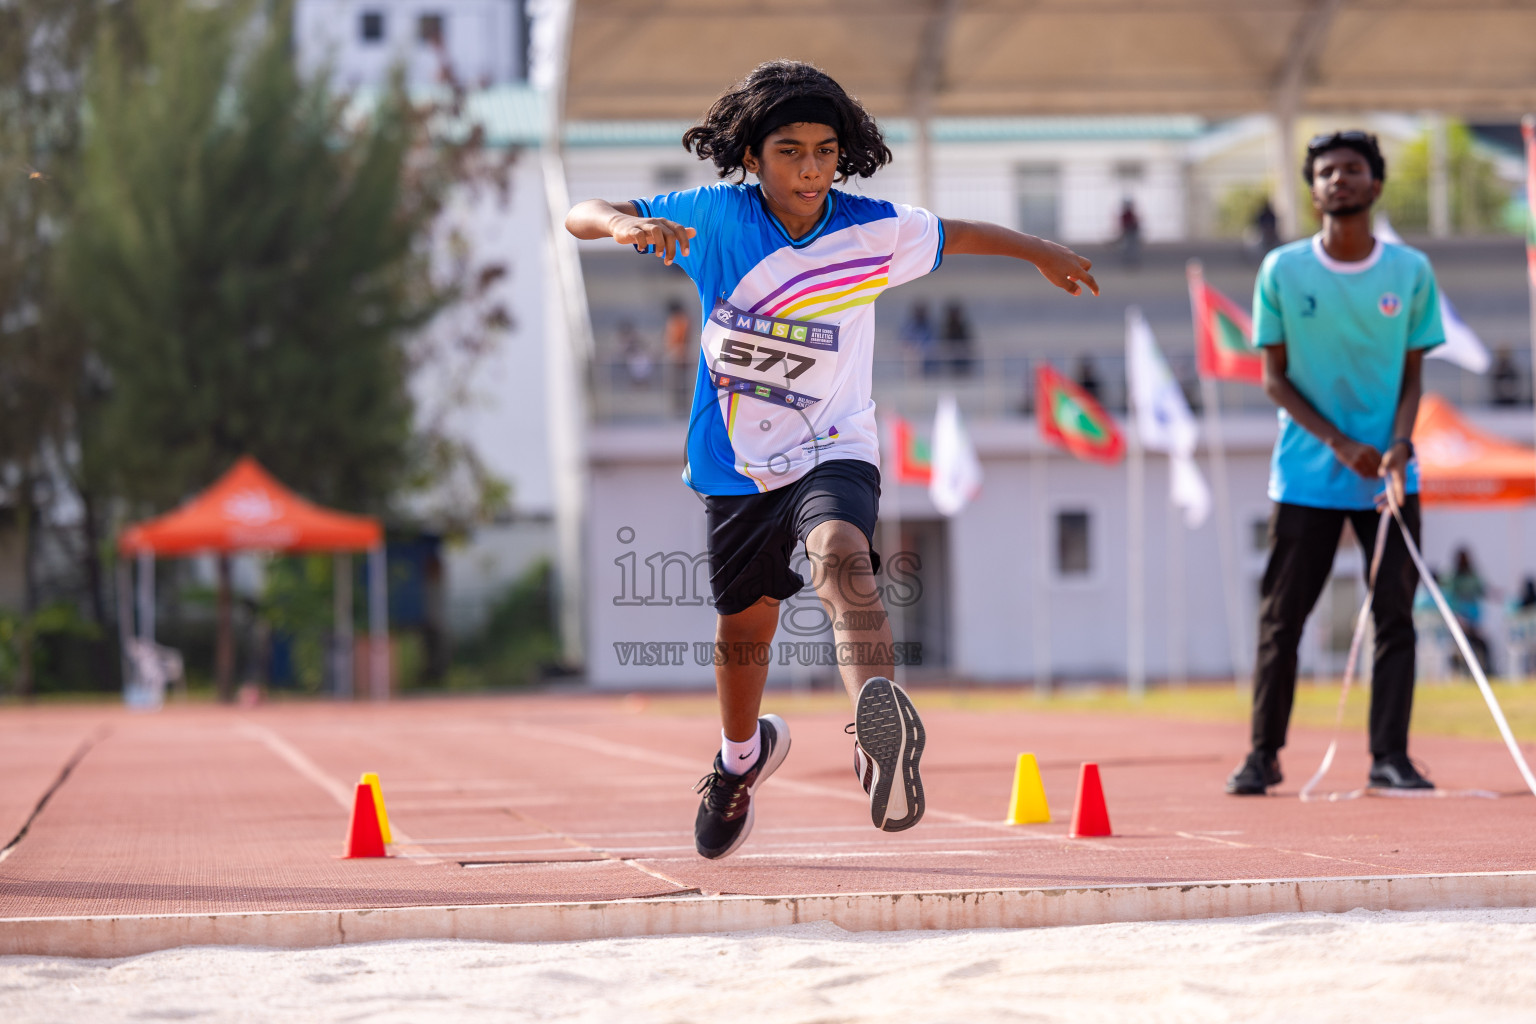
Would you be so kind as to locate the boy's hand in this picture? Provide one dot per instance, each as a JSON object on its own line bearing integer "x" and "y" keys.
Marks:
{"x": 1362, "y": 458}
{"x": 669, "y": 237}
{"x": 1064, "y": 268}
{"x": 1394, "y": 466}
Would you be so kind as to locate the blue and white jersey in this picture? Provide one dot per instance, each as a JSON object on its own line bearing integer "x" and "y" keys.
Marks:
{"x": 788, "y": 329}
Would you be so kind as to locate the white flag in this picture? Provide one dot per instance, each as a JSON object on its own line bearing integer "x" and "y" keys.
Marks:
{"x": 956, "y": 469}
{"x": 1163, "y": 420}
{"x": 1462, "y": 345}
{"x": 1187, "y": 489}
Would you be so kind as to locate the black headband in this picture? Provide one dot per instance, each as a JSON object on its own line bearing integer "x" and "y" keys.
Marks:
{"x": 798, "y": 110}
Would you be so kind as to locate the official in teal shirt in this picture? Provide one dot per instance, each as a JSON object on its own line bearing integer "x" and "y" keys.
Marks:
{"x": 1343, "y": 320}
{"x": 1347, "y": 328}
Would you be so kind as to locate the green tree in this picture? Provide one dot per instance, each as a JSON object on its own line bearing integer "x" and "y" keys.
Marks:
{"x": 43, "y": 47}
{"x": 1478, "y": 196}
{"x": 246, "y": 263}
{"x": 249, "y": 260}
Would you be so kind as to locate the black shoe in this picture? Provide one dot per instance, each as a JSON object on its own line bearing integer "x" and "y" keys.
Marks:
{"x": 1396, "y": 771}
{"x": 725, "y": 814}
{"x": 1256, "y": 774}
{"x": 890, "y": 740}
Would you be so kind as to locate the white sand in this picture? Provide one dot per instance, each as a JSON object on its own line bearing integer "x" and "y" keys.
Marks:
{"x": 1424, "y": 967}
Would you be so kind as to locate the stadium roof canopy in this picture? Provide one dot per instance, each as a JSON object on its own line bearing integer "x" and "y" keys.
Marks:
{"x": 1217, "y": 58}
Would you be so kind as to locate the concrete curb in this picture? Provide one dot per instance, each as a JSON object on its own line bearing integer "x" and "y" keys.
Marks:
{"x": 130, "y": 935}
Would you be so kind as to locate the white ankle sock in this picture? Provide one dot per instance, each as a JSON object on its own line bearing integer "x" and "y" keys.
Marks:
{"x": 739, "y": 756}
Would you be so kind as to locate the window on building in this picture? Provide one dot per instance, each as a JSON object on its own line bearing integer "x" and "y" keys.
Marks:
{"x": 1258, "y": 534}
{"x": 371, "y": 27}
{"x": 429, "y": 29}
{"x": 1072, "y": 543}
{"x": 1039, "y": 194}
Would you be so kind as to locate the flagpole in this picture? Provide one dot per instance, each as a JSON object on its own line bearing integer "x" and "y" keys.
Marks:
{"x": 1211, "y": 400}
{"x": 1042, "y": 607}
{"x": 1135, "y": 530}
{"x": 1178, "y": 663}
{"x": 1528, "y": 130}
{"x": 1136, "y": 568}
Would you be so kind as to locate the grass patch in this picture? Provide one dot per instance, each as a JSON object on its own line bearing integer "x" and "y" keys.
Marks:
{"x": 1440, "y": 709}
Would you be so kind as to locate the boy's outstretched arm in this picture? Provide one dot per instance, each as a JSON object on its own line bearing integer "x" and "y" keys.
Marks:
{"x": 598, "y": 218}
{"x": 1059, "y": 265}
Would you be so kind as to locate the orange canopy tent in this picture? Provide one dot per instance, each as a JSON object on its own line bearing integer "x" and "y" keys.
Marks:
{"x": 249, "y": 510}
{"x": 1461, "y": 465}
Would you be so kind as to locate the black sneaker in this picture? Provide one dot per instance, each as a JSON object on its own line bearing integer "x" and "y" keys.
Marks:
{"x": 725, "y": 814}
{"x": 889, "y": 744}
{"x": 1256, "y": 774}
{"x": 1397, "y": 771}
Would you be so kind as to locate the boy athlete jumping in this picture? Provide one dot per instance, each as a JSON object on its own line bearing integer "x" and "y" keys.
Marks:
{"x": 782, "y": 441}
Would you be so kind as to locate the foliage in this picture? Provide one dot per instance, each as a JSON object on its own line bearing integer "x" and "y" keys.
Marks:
{"x": 518, "y": 640}
{"x": 1237, "y": 206}
{"x": 42, "y": 44}
{"x": 23, "y": 639}
{"x": 1478, "y": 197}
{"x": 298, "y": 599}
{"x": 251, "y": 258}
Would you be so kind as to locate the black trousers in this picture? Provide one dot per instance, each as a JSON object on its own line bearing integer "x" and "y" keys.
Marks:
{"x": 1302, "y": 543}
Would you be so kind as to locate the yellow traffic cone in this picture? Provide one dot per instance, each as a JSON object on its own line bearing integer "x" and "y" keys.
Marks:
{"x": 371, "y": 780}
{"x": 1027, "y": 806}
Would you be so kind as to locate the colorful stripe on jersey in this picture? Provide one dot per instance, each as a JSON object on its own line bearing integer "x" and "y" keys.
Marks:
{"x": 858, "y": 281}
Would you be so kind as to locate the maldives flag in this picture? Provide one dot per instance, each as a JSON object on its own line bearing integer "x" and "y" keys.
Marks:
{"x": 1528, "y": 128}
{"x": 1223, "y": 334}
{"x": 1069, "y": 418}
{"x": 911, "y": 460}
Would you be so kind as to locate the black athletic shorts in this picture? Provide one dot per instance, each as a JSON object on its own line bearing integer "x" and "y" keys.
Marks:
{"x": 752, "y": 537}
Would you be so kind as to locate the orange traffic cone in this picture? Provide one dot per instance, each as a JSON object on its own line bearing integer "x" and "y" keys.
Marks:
{"x": 363, "y": 836}
{"x": 1089, "y": 816}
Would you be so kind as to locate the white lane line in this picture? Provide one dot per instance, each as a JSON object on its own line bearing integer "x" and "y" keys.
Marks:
{"x": 852, "y": 854}
{"x": 1281, "y": 849}
{"x": 911, "y": 845}
{"x": 684, "y": 834}
{"x": 338, "y": 790}
{"x": 611, "y": 749}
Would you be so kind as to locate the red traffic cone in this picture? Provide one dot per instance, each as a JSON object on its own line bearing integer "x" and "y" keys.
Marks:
{"x": 363, "y": 836}
{"x": 1089, "y": 816}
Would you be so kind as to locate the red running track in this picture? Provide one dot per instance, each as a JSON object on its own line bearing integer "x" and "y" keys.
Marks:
{"x": 554, "y": 799}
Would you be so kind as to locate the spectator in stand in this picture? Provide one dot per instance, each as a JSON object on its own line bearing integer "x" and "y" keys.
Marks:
{"x": 678, "y": 343}
{"x": 917, "y": 336}
{"x": 1088, "y": 377}
{"x": 1504, "y": 378}
{"x": 956, "y": 340}
{"x": 637, "y": 359}
{"x": 1130, "y": 233}
{"x": 1266, "y": 228}
{"x": 1464, "y": 592}
{"x": 1527, "y": 599}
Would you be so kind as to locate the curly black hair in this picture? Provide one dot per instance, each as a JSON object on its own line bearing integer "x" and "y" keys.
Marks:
{"x": 1363, "y": 143}
{"x": 735, "y": 123}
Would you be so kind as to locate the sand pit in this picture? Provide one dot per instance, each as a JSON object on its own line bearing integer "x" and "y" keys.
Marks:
{"x": 1361, "y": 966}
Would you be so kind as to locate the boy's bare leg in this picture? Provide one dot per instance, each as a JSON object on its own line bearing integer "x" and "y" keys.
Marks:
{"x": 889, "y": 733}
{"x": 845, "y": 582}
{"x": 739, "y": 680}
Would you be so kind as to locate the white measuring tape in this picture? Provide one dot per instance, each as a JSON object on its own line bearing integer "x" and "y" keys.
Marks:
{"x": 1476, "y": 668}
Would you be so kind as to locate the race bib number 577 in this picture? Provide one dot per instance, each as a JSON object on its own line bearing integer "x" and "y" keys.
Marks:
{"x": 789, "y": 363}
